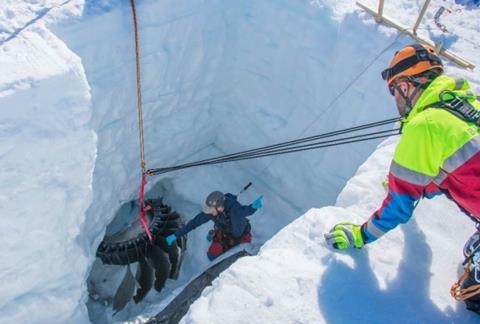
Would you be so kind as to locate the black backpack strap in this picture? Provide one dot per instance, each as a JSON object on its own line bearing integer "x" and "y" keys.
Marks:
{"x": 460, "y": 107}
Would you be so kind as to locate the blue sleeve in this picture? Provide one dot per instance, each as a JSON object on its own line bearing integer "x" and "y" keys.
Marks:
{"x": 195, "y": 222}
{"x": 248, "y": 210}
{"x": 243, "y": 210}
{"x": 238, "y": 219}
{"x": 405, "y": 188}
{"x": 232, "y": 196}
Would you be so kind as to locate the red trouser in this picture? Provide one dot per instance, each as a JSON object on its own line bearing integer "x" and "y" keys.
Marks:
{"x": 221, "y": 243}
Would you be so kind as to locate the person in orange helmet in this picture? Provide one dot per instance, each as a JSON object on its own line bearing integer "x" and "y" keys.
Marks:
{"x": 438, "y": 153}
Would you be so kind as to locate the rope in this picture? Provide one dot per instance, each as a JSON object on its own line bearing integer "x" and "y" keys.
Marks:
{"x": 139, "y": 88}
{"x": 461, "y": 294}
{"x": 277, "y": 149}
{"x": 141, "y": 194}
{"x": 297, "y": 145}
{"x": 278, "y": 152}
{"x": 141, "y": 207}
{"x": 287, "y": 146}
{"x": 343, "y": 91}
{"x": 303, "y": 140}
{"x": 352, "y": 82}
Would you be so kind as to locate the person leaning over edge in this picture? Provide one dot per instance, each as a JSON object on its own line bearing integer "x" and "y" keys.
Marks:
{"x": 438, "y": 152}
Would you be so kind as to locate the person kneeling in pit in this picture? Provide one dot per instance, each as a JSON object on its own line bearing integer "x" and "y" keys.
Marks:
{"x": 230, "y": 218}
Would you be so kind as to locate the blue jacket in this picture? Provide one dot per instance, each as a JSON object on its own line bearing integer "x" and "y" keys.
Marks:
{"x": 232, "y": 221}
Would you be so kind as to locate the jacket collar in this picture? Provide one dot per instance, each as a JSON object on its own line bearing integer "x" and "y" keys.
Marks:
{"x": 432, "y": 93}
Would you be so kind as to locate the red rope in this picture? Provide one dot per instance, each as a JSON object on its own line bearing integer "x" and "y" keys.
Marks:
{"x": 141, "y": 207}
{"x": 141, "y": 194}
{"x": 459, "y": 293}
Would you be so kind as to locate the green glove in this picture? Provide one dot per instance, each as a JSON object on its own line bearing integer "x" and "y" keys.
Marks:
{"x": 344, "y": 236}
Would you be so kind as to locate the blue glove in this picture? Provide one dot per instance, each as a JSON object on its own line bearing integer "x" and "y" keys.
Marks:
{"x": 170, "y": 239}
{"x": 210, "y": 235}
{"x": 258, "y": 203}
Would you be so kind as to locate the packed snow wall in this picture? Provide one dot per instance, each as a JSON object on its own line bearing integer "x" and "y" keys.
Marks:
{"x": 218, "y": 77}
{"x": 47, "y": 156}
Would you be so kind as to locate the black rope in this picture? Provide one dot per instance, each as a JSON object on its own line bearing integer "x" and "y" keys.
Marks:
{"x": 286, "y": 151}
{"x": 270, "y": 150}
{"x": 290, "y": 149}
{"x": 306, "y": 139}
{"x": 292, "y": 146}
{"x": 302, "y": 140}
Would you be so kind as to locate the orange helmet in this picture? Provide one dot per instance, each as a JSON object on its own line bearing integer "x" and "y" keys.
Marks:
{"x": 412, "y": 60}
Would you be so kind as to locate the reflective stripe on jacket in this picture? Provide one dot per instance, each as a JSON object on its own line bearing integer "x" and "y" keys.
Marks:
{"x": 438, "y": 152}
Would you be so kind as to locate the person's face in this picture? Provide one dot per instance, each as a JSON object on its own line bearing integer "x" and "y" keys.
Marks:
{"x": 216, "y": 211}
{"x": 396, "y": 89}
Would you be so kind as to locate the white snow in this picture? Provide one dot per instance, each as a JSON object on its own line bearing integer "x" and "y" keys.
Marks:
{"x": 296, "y": 278}
{"x": 218, "y": 77}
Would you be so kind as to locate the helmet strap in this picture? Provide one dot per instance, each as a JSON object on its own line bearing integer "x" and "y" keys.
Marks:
{"x": 418, "y": 87}
{"x": 408, "y": 99}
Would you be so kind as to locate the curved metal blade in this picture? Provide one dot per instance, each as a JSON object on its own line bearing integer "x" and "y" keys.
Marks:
{"x": 175, "y": 259}
{"x": 161, "y": 263}
{"x": 144, "y": 277}
{"x": 125, "y": 291}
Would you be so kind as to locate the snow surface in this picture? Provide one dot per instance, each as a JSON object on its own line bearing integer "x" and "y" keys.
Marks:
{"x": 218, "y": 77}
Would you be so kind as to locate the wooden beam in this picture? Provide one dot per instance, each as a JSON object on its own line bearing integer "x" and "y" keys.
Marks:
{"x": 438, "y": 46}
{"x": 420, "y": 16}
{"x": 380, "y": 11}
{"x": 445, "y": 53}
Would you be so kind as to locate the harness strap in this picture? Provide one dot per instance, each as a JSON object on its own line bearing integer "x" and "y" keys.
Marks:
{"x": 457, "y": 106}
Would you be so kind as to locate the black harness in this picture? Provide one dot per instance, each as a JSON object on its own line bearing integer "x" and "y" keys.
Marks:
{"x": 462, "y": 109}
{"x": 223, "y": 224}
{"x": 457, "y": 106}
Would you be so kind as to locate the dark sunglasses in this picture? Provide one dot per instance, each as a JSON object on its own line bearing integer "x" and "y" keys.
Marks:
{"x": 387, "y": 73}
